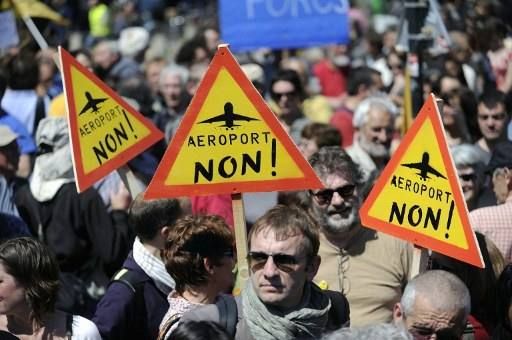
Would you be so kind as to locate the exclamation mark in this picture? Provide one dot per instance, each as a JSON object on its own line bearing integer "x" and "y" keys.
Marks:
{"x": 273, "y": 154}
{"x": 129, "y": 123}
{"x": 450, "y": 214}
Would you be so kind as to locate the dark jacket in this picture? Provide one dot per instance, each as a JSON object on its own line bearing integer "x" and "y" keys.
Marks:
{"x": 89, "y": 243}
{"x": 123, "y": 314}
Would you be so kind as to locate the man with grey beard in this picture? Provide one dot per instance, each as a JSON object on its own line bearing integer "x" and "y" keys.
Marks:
{"x": 369, "y": 267}
{"x": 374, "y": 120}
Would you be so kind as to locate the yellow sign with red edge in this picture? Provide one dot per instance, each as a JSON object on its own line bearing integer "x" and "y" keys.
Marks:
{"x": 229, "y": 142}
{"x": 105, "y": 131}
{"x": 418, "y": 197}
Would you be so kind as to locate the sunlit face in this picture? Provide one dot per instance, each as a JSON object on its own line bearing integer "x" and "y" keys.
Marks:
{"x": 424, "y": 320}
{"x": 286, "y": 97}
{"x": 103, "y": 56}
{"x": 171, "y": 88}
{"x": 492, "y": 122}
{"x": 376, "y": 134}
{"x": 468, "y": 182}
{"x": 340, "y": 213}
{"x": 276, "y": 287}
{"x": 153, "y": 70}
{"x": 12, "y": 294}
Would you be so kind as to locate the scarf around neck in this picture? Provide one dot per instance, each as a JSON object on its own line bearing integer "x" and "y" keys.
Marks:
{"x": 153, "y": 267}
{"x": 308, "y": 320}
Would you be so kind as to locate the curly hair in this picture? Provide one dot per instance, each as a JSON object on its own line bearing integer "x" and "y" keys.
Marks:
{"x": 192, "y": 239}
{"x": 33, "y": 265}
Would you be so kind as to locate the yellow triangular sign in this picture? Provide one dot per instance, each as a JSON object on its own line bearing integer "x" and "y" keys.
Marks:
{"x": 229, "y": 142}
{"x": 418, "y": 198}
{"x": 105, "y": 131}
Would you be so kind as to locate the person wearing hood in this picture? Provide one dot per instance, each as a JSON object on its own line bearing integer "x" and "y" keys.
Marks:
{"x": 90, "y": 243}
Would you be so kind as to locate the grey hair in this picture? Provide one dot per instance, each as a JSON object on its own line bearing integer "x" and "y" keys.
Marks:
{"x": 469, "y": 155}
{"x": 174, "y": 69}
{"x": 334, "y": 160}
{"x": 443, "y": 290}
{"x": 380, "y": 103}
{"x": 112, "y": 45}
{"x": 379, "y": 331}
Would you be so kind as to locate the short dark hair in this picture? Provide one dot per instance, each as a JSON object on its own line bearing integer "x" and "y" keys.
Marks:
{"x": 199, "y": 330}
{"x": 22, "y": 72}
{"x": 360, "y": 76}
{"x": 292, "y": 77}
{"x": 33, "y": 265}
{"x": 288, "y": 221}
{"x": 192, "y": 239}
{"x": 492, "y": 98}
{"x": 147, "y": 217}
{"x": 323, "y": 134}
{"x": 334, "y": 160}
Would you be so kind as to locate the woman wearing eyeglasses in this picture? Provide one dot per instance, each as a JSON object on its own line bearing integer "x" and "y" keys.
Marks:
{"x": 470, "y": 162}
{"x": 199, "y": 256}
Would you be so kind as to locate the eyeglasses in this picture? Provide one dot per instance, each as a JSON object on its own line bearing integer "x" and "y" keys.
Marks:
{"x": 325, "y": 196}
{"x": 467, "y": 177}
{"x": 284, "y": 262}
{"x": 277, "y": 96}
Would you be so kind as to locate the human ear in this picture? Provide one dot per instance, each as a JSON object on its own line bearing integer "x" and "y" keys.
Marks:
{"x": 312, "y": 267}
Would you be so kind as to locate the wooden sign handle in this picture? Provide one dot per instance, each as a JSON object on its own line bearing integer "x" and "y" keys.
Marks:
{"x": 419, "y": 262}
{"x": 240, "y": 238}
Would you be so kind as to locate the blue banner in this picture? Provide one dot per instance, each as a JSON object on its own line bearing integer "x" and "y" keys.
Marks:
{"x": 251, "y": 24}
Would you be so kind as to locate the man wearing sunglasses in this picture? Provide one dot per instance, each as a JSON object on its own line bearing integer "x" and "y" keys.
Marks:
{"x": 435, "y": 305}
{"x": 369, "y": 267}
{"x": 280, "y": 301}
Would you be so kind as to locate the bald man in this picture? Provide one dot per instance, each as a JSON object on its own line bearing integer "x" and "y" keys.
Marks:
{"x": 434, "y": 303}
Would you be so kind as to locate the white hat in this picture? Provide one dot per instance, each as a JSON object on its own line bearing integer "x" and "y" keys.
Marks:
{"x": 133, "y": 40}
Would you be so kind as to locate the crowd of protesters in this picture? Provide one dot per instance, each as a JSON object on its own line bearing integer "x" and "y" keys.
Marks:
{"x": 102, "y": 264}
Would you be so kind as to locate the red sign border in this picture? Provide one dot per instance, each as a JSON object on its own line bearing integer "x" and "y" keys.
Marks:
{"x": 472, "y": 255}
{"x": 83, "y": 180}
{"x": 224, "y": 59}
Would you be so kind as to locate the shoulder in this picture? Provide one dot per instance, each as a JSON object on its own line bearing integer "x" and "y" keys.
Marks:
{"x": 204, "y": 313}
{"x": 84, "y": 329}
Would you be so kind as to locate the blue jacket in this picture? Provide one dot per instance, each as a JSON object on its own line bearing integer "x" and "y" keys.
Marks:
{"x": 123, "y": 314}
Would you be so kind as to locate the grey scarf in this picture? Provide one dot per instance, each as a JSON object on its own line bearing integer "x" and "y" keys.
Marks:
{"x": 307, "y": 321}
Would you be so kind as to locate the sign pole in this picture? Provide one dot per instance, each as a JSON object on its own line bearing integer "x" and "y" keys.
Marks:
{"x": 419, "y": 261}
{"x": 240, "y": 238}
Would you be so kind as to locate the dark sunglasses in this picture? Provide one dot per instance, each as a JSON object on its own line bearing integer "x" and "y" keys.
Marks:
{"x": 284, "y": 262}
{"x": 277, "y": 96}
{"x": 468, "y": 177}
{"x": 325, "y": 196}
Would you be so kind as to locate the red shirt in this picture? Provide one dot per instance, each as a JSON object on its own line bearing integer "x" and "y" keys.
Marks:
{"x": 332, "y": 80}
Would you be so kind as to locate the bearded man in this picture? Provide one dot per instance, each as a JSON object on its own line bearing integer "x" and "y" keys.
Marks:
{"x": 370, "y": 268}
{"x": 374, "y": 120}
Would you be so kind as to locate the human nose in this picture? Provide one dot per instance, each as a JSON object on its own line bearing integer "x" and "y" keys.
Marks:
{"x": 337, "y": 199}
{"x": 270, "y": 269}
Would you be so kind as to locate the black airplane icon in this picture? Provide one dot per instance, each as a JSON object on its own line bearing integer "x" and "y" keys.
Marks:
{"x": 92, "y": 103}
{"x": 228, "y": 117}
{"x": 424, "y": 168}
